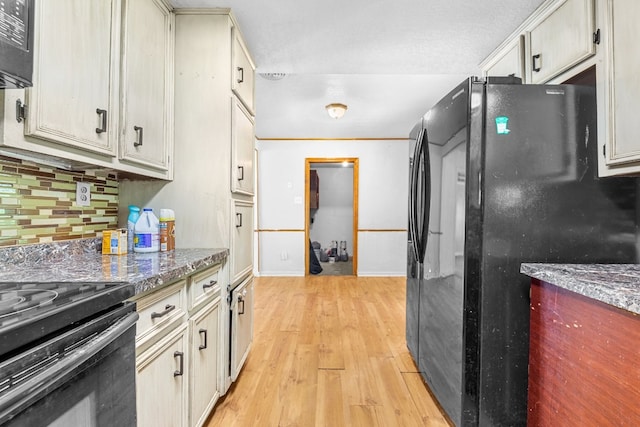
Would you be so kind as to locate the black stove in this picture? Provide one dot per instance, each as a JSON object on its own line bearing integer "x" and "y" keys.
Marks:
{"x": 32, "y": 311}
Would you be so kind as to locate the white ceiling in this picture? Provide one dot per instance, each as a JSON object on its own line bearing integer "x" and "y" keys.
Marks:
{"x": 389, "y": 61}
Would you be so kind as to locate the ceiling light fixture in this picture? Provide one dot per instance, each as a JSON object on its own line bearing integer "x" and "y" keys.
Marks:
{"x": 336, "y": 110}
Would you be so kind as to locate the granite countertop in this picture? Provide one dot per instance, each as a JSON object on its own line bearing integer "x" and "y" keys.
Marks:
{"x": 614, "y": 284}
{"x": 144, "y": 270}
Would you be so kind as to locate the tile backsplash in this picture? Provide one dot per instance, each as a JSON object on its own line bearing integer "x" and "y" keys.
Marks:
{"x": 37, "y": 203}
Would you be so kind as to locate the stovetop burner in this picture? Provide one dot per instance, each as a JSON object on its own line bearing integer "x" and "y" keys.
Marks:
{"x": 28, "y": 311}
{"x": 20, "y": 300}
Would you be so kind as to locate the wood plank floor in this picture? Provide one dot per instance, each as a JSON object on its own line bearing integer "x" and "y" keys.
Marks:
{"x": 328, "y": 351}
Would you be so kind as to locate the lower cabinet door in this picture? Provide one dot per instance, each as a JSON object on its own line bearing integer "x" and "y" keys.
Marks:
{"x": 205, "y": 356}
{"x": 241, "y": 240}
{"x": 241, "y": 325}
{"x": 161, "y": 381}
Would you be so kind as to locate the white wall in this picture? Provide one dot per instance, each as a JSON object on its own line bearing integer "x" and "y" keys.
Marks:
{"x": 382, "y": 203}
{"x": 333, "y": 220}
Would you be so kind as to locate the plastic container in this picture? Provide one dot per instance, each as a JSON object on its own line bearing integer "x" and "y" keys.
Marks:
{"x": 147, "y": 232}
{"x": 134, "y": 215}
{"x": 167, "y": 230}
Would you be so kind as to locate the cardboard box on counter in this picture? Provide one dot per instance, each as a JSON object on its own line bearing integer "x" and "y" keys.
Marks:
{"x": 114, "y": 242}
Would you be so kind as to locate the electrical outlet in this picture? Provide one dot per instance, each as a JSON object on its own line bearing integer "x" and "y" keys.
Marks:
{"x": 284, "y": 256}
{"x": 83, "y": 194}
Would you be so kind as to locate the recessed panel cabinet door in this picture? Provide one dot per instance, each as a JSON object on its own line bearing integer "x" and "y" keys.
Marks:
{"x": 561, "y": 40}
{"x": 241, "y": 240}
{"x": 73, "y": 100}
{"x": 510, "y": 62}
{"x": 144, "y": 123}
{"x": 205, "y": 352}
{"x": 161, "y": 381}
{"x": 243, "y": 73}
{"x": 241, "y": 325}
{"x": 242, "y": 153}
{"x": 622, "y": 84}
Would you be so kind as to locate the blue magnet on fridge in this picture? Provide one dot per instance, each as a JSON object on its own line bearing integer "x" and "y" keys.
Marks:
{"x": 501, "y": 125}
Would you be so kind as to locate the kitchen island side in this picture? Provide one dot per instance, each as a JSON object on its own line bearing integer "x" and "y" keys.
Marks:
{"x": 584, "y": 344}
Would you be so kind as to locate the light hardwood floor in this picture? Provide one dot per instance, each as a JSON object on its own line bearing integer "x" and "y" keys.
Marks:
{"x": 328, "y": 351}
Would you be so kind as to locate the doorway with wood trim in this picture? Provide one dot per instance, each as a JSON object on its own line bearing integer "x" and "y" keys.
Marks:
{"x": 331, "y": 214}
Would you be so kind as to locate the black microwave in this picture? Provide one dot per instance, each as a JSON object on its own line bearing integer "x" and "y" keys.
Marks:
{"x": 16, "y": 43}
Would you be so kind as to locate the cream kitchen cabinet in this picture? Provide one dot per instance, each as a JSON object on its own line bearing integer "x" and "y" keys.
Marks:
{"x": 180, "y": 350}
{"x": 509, "y": 61}
{"x": 619, "y": 89}
{"x": 242, "y": 139}
{"x": 74, "y": 98}
{"x": 241, "y": 240}
{"x": 561, "y": 38}
{"x": 559, "y": 35}
{"x": 146, "y": 115}
{"x": 88, "y": 57}
{"x": 241, "y": 325}
{"x": 243, "y": 72}
{"x": 162, "y": 380}
{"x": 205, "y": 361}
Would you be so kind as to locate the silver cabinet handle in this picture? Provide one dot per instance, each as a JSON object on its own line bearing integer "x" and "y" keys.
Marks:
{"x": 240, "y": 173}
{"x": 238, "y": 220}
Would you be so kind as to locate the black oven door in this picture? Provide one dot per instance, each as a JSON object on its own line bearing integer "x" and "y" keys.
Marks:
{"x": 82, "y": 377}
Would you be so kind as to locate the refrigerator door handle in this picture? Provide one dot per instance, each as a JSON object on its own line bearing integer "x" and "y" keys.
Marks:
{"x": 413, "y": 194}
{"x": 425, "y": 160}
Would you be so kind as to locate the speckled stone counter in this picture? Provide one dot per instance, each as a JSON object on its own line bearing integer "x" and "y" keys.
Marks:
{"x": 614, "y": 284}
{"x": 82, "y": 262}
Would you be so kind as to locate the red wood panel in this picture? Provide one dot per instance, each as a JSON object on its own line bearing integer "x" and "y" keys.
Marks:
{"x": 584, "y": 361}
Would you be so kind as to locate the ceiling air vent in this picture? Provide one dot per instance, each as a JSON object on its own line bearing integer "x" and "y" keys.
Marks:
{"x": 273, "y": 76}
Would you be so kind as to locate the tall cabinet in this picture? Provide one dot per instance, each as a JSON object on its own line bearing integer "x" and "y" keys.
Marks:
{"x": 212, "y": 192}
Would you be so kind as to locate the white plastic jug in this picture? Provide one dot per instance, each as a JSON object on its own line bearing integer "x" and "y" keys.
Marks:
{"x": 147, "y": 238}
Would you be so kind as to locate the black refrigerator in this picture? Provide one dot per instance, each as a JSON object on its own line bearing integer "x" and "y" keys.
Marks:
{"x": 500, "y": 174}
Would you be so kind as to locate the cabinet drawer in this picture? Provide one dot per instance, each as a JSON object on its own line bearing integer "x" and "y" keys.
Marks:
{"x": 205, "y": 286}
{"x": 160, "y": 312}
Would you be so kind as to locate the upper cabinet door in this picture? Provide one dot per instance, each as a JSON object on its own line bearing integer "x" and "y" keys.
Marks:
{"x": 73, "y": 100}
{"x": 242, "y": 142}
{"x": 242, "y": 73}
{"x": 621, "y": 87}
{"x": 561, "y": 39}
{"x": 145, "y": 121}
{"x": 510, "y": 62}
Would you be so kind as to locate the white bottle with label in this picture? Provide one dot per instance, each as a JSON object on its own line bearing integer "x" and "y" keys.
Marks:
{"x": 147, "y": 237}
